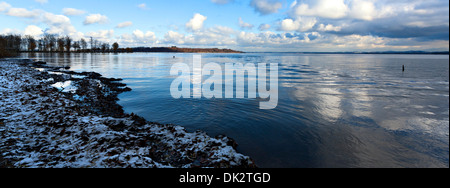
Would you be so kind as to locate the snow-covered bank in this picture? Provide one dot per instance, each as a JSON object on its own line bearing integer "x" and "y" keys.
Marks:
{"x": 51, "y": 117}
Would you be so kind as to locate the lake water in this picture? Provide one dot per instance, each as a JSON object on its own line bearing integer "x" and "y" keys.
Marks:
{"x": 333, "y": 111}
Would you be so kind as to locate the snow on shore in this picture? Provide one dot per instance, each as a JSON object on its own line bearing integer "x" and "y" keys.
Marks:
{"x": 66, "y": 86}
{"x": 45, "y": 126}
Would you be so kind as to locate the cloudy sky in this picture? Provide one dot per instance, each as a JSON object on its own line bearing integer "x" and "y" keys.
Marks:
{"x": 248, "y": 25}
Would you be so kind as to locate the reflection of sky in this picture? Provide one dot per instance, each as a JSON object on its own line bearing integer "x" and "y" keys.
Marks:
{"x": 329, "y": 103}
{"x": 197, "y": 77}
{"x": 344, "y": 89}
{"x": 335, "y": 86}
{"x": 355, "y": 107}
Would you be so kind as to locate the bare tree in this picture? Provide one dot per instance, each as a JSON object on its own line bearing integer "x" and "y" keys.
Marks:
{"x": 12, "y": 42}
{"x": 10, "y": 45}
{"x": 61, "y": 44}
{"x": 96, "y": 45}
{"x": 41, "y": 45}
{"x": 30, "y": 42}
{"x": 67, "y": 43}
{"x": 50, "y": 42}
{"x": 47, "y": 39}
{"x": 83, "y": 44}
{"x": 44, "y": 43}
{"x": 92, "y": 44}
{"x": 76, "y": 46}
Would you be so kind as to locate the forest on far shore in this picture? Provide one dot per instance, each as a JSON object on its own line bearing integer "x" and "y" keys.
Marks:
{"x": 11, "y": 45}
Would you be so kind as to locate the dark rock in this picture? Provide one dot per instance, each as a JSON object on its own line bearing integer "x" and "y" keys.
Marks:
{"x": 230, "y": 142}
{"x": 60, "y": 113}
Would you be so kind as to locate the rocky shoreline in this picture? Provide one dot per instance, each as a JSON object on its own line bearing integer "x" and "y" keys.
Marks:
{"x": 51, "y": 117}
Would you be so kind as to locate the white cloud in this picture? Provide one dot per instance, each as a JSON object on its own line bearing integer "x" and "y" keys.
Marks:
{"x": 95, "y": 18}
{"x": 144, "y": 37}
{"x": 23, "y": 13}
{"x": 34, "y": 31}
{"x": 329, "y": 27}
{"x": 138, "y": 34}
{"x": 244, "y": 25}
{"x": 309, "y": 41}
{"x": 124, "y": 24}
{"x": 333, "y": 9}
{"x": 8, "y": 31}
{"x": 56, "y": 20}
{"x": 289, "y": 25}
{"x": 300, "y": 24}
{"x": 222, "y": 30}
{"x": 215, "y": 36}
{"x": 172, "y": 37}
{"x": 359, "y": 42}
{"x": 102, "y": 35}
{"x": 367, "y": 10}
{"x": 55, "y": 24}
{"x": 41, "y": 1}
{"x": 364, "y": 10}
{"x": 138, "y": 38}
{"x": 311, "y": 25}
{"x": 196, "y": 23}
{"x": 73, "y": 12}
{"x": 265, "y": 7}
{"x": 58, "y": 24}
{"x": 4, "y": 6}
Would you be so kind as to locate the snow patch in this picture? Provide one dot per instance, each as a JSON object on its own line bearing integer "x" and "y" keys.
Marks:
{"x": 41, "y": 128}
{"x": 66, "y": 86}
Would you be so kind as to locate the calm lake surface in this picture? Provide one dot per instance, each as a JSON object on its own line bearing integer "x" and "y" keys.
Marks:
{"x": 333, "y": 110}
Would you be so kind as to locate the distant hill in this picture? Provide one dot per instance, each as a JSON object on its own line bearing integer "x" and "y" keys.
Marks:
{"x": 175, "y": 49}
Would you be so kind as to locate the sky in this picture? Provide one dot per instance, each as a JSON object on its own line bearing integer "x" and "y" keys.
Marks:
{"x": 246, "y": 25}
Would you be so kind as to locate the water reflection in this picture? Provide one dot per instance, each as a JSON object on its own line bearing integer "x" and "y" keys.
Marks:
{"x": 334, "y": 110}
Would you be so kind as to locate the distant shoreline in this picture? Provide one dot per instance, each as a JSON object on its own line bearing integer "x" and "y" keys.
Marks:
{"x": 214, "y": 50}
{"x": 173, "y": 49}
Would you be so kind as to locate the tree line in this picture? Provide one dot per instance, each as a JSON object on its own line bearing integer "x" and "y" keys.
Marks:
{"x": 12, "y": 45}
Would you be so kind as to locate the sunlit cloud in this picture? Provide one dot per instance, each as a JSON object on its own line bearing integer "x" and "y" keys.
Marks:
{"x": 265, "y": 25}
{"x": 196, "y": 23}
{"x": 73, "y": 12}
{"x": 124, "y": 24}
{"x": 95, "y": 19}
{"x": 34, "y": 31}
{"x": 23, "y": 13}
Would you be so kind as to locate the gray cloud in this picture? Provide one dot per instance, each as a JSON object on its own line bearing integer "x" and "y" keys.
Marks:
{"x": 265, "y": 7}
{"x": 402, "y": 19}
